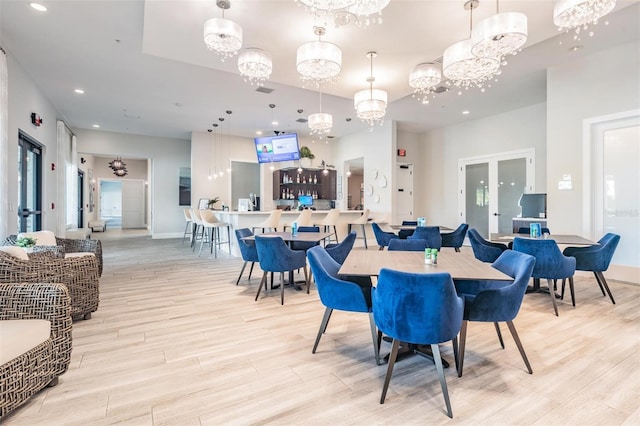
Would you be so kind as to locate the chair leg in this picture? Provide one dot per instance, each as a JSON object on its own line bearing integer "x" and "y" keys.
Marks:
{"x": 323, "y": 327}
{"x": 463, "y": 340}
{"x": 392, "y": 360}
{"x": 282, "y": 288}
{"x": 457, "y": 249}
{"x": 364, "y": 237}
{"x": 553, "y": 296}
{"x": 251, "y": 270}
{"x": 573, "y": 294}
{"x": 380, "y": 248}
{"x": 263, "y": 280}
{"x": 244, "y": 265}
{"x": 599, "y": 283}
{"x": 606, "y": 286}
{"x": 499, "y": 334}
{"x": 514, "y": 333}
{"x": 307, "y": 278}
{"x": 374, "y": 336}
{"x": 335, "y": 231}
{"x": 443, "y": 383}
{"x": 454, "y": 343}
{"x": 562, "y": 291}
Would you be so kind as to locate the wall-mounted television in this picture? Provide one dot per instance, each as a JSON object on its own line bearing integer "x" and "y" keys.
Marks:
{"x": 272, "y": 149}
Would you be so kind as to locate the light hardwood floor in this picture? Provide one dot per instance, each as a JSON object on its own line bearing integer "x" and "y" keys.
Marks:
{"x": 175, "y": 342}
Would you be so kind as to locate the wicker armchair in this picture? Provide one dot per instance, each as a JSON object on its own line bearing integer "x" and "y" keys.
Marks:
{"x": 79, "y": 274}
{"x": 28, "y": 373}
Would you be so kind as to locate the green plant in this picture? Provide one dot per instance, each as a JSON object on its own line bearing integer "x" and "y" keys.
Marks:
{"x": 213, "y": 201}
{"x": 25, "y": 242}
{"x": 305, "y": 152}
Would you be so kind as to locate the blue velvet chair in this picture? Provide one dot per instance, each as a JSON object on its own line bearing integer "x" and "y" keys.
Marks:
{"x": 247, "y": 250}
{"x": 303, "y": 245}
{"x": 339, "y": 252}
{"x": 276, "y": 256}
{"x": 405, "y": 233}
{"x": 336, "y": 293}
{"x": 455, "y": 239}
{"x": 431, "y": 234}
{"x": 596, "y": 259}
{"x": 411, "y": 244}
{"x": 496, "y": 301}
{"x": 420, "y": 309}
{"x": 382, "y": 237}
{"x": 484, "y": 250}
{"x": 551, "y": 264}
{"x": 526, "y": 230}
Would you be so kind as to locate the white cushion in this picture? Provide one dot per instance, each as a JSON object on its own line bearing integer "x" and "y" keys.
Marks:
{"x": 78, "y": 234}
{"x": 15, "y": 251}
{"x": 79, "y": 254}
{"x": 43, "y": 238}
{"x": 20, "y": 336}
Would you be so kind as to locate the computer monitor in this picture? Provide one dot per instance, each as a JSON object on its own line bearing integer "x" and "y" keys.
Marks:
{"x": 305, "y": 200}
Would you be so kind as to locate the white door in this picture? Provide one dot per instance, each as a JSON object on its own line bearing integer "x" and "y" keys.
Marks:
{"x": 132, "y": 204}
{"x": 404, "y": 193}
{"x": 489, "y": 188}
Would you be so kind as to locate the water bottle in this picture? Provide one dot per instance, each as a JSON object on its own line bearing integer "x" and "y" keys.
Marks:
{"x": 427, "y": 256}
{"x": 294, "y": 228}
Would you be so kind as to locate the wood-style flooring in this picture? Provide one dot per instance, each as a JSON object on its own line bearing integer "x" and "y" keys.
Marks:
{"x": 176, "y": 342}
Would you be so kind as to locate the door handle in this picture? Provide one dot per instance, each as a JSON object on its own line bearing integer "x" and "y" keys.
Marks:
{"x": 497, "y": 214}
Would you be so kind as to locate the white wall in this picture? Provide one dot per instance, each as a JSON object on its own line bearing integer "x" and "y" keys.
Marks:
{"x": 436, "y": 174}
{"x": 166, "y": 155}
{"x": 605, "y": 83}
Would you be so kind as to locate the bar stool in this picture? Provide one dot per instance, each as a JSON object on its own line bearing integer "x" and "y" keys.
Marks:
{"x": 303, "y": 219}
{"x": 189, "y": 224}
{"x": 271, "y": 222}
{"x": 362, "y": 221}
{"x": 197, "y": 228}
{"x": 211, "y": 226}
{"x": 330, "y": 221}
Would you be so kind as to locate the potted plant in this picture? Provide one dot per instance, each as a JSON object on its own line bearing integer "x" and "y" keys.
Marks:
{"x": 212, "y": 202}
{"x": 306, "y": 156}
{"x": 25, "y": 242}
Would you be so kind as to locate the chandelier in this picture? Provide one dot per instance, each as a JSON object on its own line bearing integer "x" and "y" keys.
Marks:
{"x": 118, "y": 166}
{"x": 423, "y": 79}
{"x": 319, "y": 7}
{"x": 462, "y": 67}
{"x": 499, "y": 35}
{"x": 371, "y": 104}
{"x": 221, "y": 35}
{"x": 319, "y": 61}
{"x": 320, "y": 123}
{"x": 255, "y": 66}
{"x": 368, "y": 11}
{"x": 579, "y": 14}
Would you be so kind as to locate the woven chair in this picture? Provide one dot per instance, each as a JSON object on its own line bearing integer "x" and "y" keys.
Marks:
{"x": 30, "y": 372}
{"x": 79, "y": 274}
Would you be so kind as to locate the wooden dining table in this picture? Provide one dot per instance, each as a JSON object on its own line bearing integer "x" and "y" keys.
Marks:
{"x": 413, "y": 227}
{"x": 560, "y": 239}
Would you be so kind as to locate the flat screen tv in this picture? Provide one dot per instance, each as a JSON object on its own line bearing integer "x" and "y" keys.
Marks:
{"x": 272, "y": 149}
{"x": 305, "y": 200}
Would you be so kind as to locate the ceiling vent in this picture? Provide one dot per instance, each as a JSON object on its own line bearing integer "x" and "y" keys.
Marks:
{"x": 263, "y": 89}
{"x": 441, "y": 89}
{"x": 301, "y": 120}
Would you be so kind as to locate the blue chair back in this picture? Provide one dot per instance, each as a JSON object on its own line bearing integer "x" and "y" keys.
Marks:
{"x": 247, "y": 248}
{"x": 413, "y": 244}
{"x": 429, "y": 233}
{"x": 550, "y": 262}
{"x": 484, "y": 250}
{"x": 339, "y": 252}
{"x": 456, "y": 238}
{"x": 595, "y": 258}
{"x": 417, "y": 308}
{"x": 526, "y": 230}
{"x": 405, "y": 233}
{"x": 303, "y": 245}
{"x": 275, "y": 256}
{"x": 334, "y": 292}
{"x": 410, "y": 222}
{"x": 382, "y": 237}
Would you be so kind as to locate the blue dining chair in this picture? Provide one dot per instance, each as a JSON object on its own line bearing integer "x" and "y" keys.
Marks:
{"x": 405, "y": 233}
{"x": 247, "y": 250}
{"x": 382, "y": 237}
{"x": 455, "y": 239}
{"x": 551, "y": 264}
{"x": 596, "y": 259}
{"x": 276, "y": 256}
{"x": 336, "y": 293}
{"x": 429, "y": 233}
{"x": 484, "y": 250}
{"x": 305, "y": 245}
{"x": 420, "y": 309}
{"x": 411, "y": 244}
{"x": 496, "y": 301}
{"x": 340, "y": 251}
{"x": 527, "y": 230}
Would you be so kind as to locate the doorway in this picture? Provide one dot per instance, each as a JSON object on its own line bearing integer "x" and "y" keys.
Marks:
{"x": 30, "y": 183}
{"x": 354, "y": 171}
{"x": 404, "y": 196}
{"x": 111, "y": 203}
{"x": 490, "y": 188}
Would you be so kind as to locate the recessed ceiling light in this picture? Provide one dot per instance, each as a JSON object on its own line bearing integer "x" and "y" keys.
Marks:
{"x": 274, "y": 123}
{"x": 465, "y": 112}
{"x": 38, "y": 7}
{"x": 259, "y": 132}
{"x": 97, "y": 126}
{"x": 79, "y": 91}
{"x": 575, "y": 48}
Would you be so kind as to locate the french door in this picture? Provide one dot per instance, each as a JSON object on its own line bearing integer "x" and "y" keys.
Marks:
{"x": 29, "y": 184}
{"x": 490, "y": 188}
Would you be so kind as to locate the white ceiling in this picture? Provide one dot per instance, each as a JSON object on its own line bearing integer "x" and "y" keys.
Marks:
{"x": 146, "y": 70}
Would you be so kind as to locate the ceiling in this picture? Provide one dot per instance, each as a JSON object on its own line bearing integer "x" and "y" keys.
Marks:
{"x": 145, "y": 69}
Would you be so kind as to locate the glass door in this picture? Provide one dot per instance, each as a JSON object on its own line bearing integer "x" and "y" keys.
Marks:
{"x": 512, "y": 183}
{"x": 29, "y": 184}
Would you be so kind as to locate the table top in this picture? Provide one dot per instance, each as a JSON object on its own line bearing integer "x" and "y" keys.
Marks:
{"x": 301, "y": 236}
{"x": 568, "y": 240}
{"x": 413, "y": 227}
{"x": 462, "y": 265}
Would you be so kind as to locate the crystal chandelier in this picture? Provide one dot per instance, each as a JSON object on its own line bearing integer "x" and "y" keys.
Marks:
{"x": 371, "y": 104}
{"x": 221, "y": 35}
{"x": 319, "y": 7}
{"x": 423, "y": 79}
{"x": 579, "y": 14}
{"x": 255, "y": 66}
{"x": 499, "y": 35}
{"x": 319, "y": 61}
{"x": 462, "y": 67}
{"x": 368, "y": 11}
{"x": 320, "y": 123}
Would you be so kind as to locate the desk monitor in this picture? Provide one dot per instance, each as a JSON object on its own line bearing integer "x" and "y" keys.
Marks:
{"x": 305, "y": 200}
